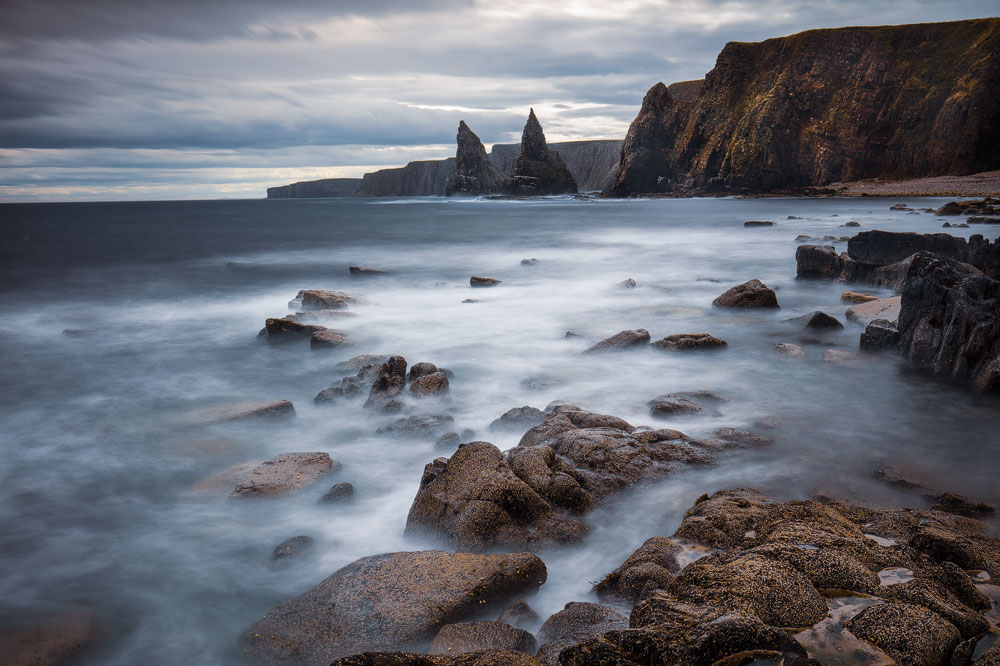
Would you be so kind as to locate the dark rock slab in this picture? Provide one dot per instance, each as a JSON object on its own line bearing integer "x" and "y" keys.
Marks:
{"x": 292, "y": 551}
{"x": 362, "y": 271}
{"x": 519, "y": 614}
{"x": 321, "y": 299}
{"x": 518, "y": 418}
{"x": 338, "y": 493}
{"x": 879, "y": 335}
{"x": 665, "y": 406}
{"x": 758, "y": 223}
{"x": 482, "y": 658}
{"x": 907, "y": 633}
{"x": 388, "y": 602}
{"x": 817, "y": 321}
{"x": 423, "y": 425}
{"x": 690, "y": 341}
{"x": 578, "y": 621}
{"x": 329, "y": 339}
{"x": 483, "y": 281}
{"x": 622, "y": 340}
{"x": 60, "y": 639}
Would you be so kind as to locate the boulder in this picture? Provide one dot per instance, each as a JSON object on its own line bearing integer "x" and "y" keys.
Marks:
{"x": 388, "y": 602}
{"x": 338, "y": 494}
{"x": 518, "y": 418}
{"x": 758, "y": 223}
{"x": 328, "y": 339}
{"x": 621, "y": 340}
{"x": 465, "y": 637}
{"x": 519, "y": 614}
{"x": 321, "y": 299}
{"x": 538, "y": 170}
{"x": 418, "y": 370}
{"x": 909, "y": 634}
{"x": 651, "y": 567}
{"x": 475, "y": 501}
{"x": 389, "y": 381}
{"x": 788, "y": 350}
{"x": 689, "y": 341}
{"x": 950, "y": 208}
{"x": 856, "y": 297}
{"x": 751, "y": 294}
{"x": 417, "y": 425}
{"x": 292, "y": 551}
{"x": 949, "y": 320}
{"x": 435, "y": 383}
{"x": 818, "y": 261}
{"x": 578, "y": 621}
{"x": 483, "y": 281}
{"x": 285, "y": 473}
{"x": 817, "y": 321}
{"x": 852, "y": 223}
{"x": 474, "y": 173}
{"x": 880, "y": 334}
{"x": 245, "y": 410}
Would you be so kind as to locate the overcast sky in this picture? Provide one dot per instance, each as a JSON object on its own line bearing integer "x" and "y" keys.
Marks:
{"x": 147, "y": 99}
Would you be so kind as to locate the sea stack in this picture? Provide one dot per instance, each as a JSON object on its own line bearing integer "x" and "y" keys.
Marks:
{"x": 538, "y": 170}
{"x": 474, "y": 173}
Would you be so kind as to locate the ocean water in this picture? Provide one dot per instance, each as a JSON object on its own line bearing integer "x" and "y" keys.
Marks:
{"x": 98, "y": 508}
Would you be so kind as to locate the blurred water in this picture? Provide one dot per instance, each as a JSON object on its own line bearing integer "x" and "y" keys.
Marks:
{"x": 97, "y": 509}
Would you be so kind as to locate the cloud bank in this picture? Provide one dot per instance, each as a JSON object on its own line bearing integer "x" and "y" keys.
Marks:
{"x": 116, "y": 99}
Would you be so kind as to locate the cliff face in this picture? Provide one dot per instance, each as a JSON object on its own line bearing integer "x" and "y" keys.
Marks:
{"x": 593, "y": 164}
{"x": 328, "y": 187}
{"x": 416, "y": 179}
{"x": 474, "y": 173}
{"x": 824, "y": 106}
{"x": 536, "y": 169}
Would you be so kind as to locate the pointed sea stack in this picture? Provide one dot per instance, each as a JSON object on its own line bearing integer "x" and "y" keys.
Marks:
{"x": 474, "y": 173}
{"x": 538, "y": 170}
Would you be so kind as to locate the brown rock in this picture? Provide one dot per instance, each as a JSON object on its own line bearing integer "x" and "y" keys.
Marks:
{"x": 652, "y": 566}
{"x": 388, "y": 602}
{"x": 483, "y": 658}
{"x": 285, "y": 473}
{"x": 751, "y": 294}
{"x": 817, "y": 321}
{"x": 329, "y": 339}
{"x": 576, "y": 622}
{"x": 621, "y": 340}
{"x": 418, "y": 370}
{"x": 519, "y": 614}
{"x": 433, "y": 384}
{"x": 417, "y": 425}
{"x": 292, "y": 551}
{"x": 55, "y": 641}
{"x": 856, "y": 297}
{"x": 689, "y": 341}
{"x": 389, "y": 381}
{"x": 909, "y": 634}
{"x": 667, "y": 405}
{"x": 286, "y": 330}
{"x": 880, "y": 308}
{"x": 338, "y": 494}
{"x": 627, "y": 283}
{"x": 465, "y": 637}
{"x": 321, "y": 299}
{"x": 788, "y": 350}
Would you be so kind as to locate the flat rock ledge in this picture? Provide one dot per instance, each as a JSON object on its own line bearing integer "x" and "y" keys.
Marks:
{"x": 393, "y": 601}
{"x": 285, "y": 473}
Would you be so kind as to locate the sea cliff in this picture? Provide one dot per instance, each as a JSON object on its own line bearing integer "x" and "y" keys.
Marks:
{"x": 824, "y": 106}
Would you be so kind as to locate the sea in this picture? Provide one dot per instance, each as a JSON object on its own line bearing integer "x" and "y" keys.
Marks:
{"x": 120, "y": 321}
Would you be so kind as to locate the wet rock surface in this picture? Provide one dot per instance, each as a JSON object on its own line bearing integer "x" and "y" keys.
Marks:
{"x": 245, "y": 410}
{"x": 417, "y": 425}
{"x": 321, "y": 299}
{"x": 285, "y": 473}
{"x": 292, "y": 551}
{"x": 690, "y": 341}
{"x": 770, "y": 565}
{"x": 328, "y": 339}
{"x": 483, "y": 281}
{"x": 519, "y": 614}
{"x": 880, "y": 308}
{"x": 57, "y": 640}
{"x": 391, "y": 601}
{"x": 750, "y": 294}
{"x": 465, "y": 637}
{"x": 518, "y": 418}
{"x": 575, "y": 623}
{"x": 435, "y": 383}
{"x": 390, "y": 378}
{"x": 817, "y": 321}
{"x": 622, "y": 340}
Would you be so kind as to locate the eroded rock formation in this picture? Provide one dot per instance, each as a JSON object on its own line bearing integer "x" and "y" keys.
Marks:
{"x": 474, "y": 173}
{"x": 537, "y": 170}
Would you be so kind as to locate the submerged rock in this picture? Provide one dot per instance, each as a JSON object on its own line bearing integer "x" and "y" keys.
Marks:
{"x": 321, "y": 299}
{"x": 466, "y": 637}
{"x": 651, "y": 567}
{"x": 245, "y": 410}
{"x": 907, "y": 633}
{"x": 689, "y": 341}
{"x": 878, "y": 335}
{"x": 435, "y": 383}
{"x": 817, "y": 321}
{"x": 285, "y": 473}
{"x": 621, "y": 340}
{"x": 880, "y": 308}
{"x": 538, "y": 170}
{"x": 789, "y": 350}
{"x": 518, "y": 418}
{"x": 390, "y": 378}
{"x": 338, "y": 493}
{"x": 329, "y": 339}
{"x": 362, "y": 271}
{"x": 750, "y": 294}
{"x": 286, "y": 330}
{"x": 292, "y": 551}
{"x": 671, "y": 405}
{"x": 417, "y": 426}
{"x": 856, "y": 297}
{"x": 519, "y": 614}
{"x": 56, "y": 640}
{"x": 758, "y": 223}
{"x": 388, "y": 602}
